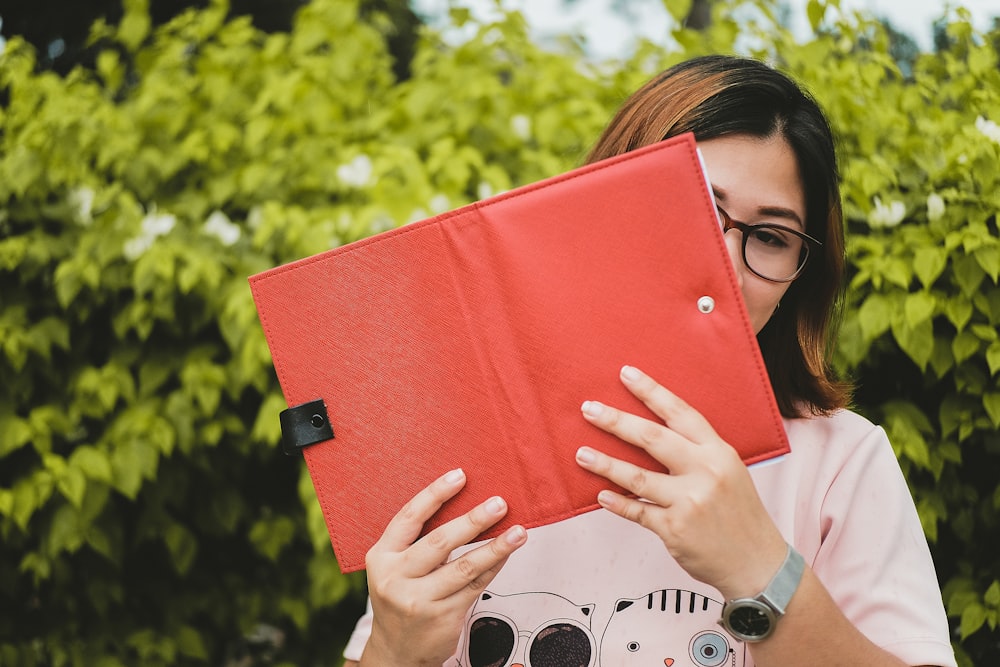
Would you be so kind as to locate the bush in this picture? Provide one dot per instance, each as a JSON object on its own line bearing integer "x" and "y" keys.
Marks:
{"x": 146, "y": 514}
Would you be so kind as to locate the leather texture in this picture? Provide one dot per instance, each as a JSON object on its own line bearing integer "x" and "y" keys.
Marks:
{"x": 470, "y": 340}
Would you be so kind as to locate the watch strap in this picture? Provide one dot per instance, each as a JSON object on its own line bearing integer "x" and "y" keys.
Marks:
{"x": 785, "y": 582}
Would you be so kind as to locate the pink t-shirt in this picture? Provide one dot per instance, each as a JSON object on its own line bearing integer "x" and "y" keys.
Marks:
{"x": 598, "y": 590}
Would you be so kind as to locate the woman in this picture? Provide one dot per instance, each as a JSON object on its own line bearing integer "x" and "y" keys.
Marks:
{"x": 816, "y": 559}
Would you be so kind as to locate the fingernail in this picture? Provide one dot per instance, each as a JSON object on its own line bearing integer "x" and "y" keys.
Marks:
{"x": 630, "y": 373}
{"x": 592, "y": 408}
{"x": 606, "y": 499}
{"x": 585, "y": 455}
{"x": 495, "y": 505}
{"x": 455, "y": 476}
{"x": 515, "y": 535}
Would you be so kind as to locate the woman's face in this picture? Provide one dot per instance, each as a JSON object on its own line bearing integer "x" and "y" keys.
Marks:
{"x": 755, "y": 180}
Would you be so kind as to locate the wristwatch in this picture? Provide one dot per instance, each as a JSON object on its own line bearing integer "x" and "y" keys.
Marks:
{"x": 754, "y": 619}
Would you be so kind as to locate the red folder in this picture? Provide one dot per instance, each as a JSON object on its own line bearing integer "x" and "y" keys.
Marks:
{"x": 470, "y": 340}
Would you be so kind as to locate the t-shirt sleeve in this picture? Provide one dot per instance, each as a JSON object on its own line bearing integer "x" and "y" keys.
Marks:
{"x": 874, "y": 557}
{"x": 362, "y": 630}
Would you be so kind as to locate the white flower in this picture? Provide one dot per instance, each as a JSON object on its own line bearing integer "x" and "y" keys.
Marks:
{"x": 153, "y": 226}
{"x": 935, "y": 207}
{"x": 989, "y": 129}
{"x": 887, "y": 215}
{"x": 82, "y": 201}
{"x": 520, "y": 125}
{"x": 135, "y": 247}
{"x": 254, "y": 217}
{"x": 485, "y": 190}
{"x": 219, "y": 226}
{"x": 357, "y": 172}
{"x": 439, "y": 204}
{"x": 157, "y": 224}
{"x": 417, "y": 215}
{"x": 382, "y": 223}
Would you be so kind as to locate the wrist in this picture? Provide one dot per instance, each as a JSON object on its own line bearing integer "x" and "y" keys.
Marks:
{"x": 753, "y": 619}
{"x": 753, "y": 575}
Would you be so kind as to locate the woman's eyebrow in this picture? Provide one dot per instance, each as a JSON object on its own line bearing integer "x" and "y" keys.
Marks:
{"x": 766, "y": 211}
{"x": 780, "y": 212}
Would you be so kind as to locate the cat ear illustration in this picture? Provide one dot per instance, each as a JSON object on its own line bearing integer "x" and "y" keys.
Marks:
{"x": 673, "y": 627}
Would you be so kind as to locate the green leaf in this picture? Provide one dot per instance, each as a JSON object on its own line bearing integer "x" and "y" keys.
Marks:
{"x": 917, "y": 341}
{"x": 942, "y": 359}
{"x": 919, "y": 307}
{"x": 875, "y": 316}
{"x": 182, "y": 545}
{"x": 973, "y": 618}
{"x": 131, "y": 461}
{"x": 135, "y": 24}
{"x": 929, "y": 263}
{"x": 66, "y": 531}
{"x": 965, "y": 345}
{"x": 269, "y": 536}
{"x": 92, "y": 462}
{"x": 988, "y": 257}
{"x": 959, "y": 311}
{"x": 898, "y": 272}
{"x": 101, "y": 542}
{"x": 190, "y": 643}
{"x": 678, "y": 9}
{"x": 992, "y": 597}
{"x": 266, "y": 427}
{"x": 815, "y": 11}
{"x": 14, "y": 433}
{"x": 984, "y": 332}
{"x": 6, "y": 502}
{"x": 991, "y": 401}
{"x": 72, "y": 485}
{"x": 30, "y": 493}
{"x": 969, "y": 274}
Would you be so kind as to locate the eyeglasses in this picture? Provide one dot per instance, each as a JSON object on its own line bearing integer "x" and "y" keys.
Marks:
{"x": 773, "y": 252}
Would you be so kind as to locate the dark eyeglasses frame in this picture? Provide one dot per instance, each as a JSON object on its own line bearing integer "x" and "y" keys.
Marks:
{"x": 745, "y": 228}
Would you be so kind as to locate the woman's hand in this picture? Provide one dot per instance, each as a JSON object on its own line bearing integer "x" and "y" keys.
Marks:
{"x": 420, "y": 600}
{"x": 706, "y": 509}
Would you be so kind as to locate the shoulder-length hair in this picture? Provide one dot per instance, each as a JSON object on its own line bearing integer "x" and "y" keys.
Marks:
{"x": 715, "y": 96}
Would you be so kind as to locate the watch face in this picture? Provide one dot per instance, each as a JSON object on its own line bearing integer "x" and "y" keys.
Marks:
{"x": 750, "y": 620}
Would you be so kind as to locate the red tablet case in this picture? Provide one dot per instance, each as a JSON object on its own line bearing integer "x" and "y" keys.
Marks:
{"x": 470, "y": 340}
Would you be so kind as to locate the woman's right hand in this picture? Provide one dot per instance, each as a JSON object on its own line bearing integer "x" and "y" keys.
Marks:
{"x": 418, "y": 598}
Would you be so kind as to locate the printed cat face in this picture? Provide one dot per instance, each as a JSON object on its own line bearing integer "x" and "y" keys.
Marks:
{"x": 669, "y": 627}
{"x": 529, "y": 630}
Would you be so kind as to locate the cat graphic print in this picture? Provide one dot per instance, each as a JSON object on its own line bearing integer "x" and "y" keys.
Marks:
{"x": 670, "y": 627}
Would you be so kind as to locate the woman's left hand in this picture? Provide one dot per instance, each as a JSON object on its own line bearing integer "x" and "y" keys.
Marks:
{"x": 706, "y": 508}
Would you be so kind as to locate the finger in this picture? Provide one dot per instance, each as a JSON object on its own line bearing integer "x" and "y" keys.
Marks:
{"x": 644, "y": 483}
{"x": 406, "y": 526}
{"x": 473, "y": 571}
{"x": 661, "y": 442}
{"x": 433, "y": 549}
{"x": 669, "y": 407}
{"x": 638, "y": 511}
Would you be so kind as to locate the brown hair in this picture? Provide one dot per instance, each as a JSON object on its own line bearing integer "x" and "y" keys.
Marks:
{"x": 714, "y": 96}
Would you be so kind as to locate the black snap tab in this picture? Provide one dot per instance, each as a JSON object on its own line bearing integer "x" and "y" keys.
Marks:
{"x": 304, "y": 425}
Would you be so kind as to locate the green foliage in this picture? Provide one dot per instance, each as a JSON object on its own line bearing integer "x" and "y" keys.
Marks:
{"x": 146, "y": 516}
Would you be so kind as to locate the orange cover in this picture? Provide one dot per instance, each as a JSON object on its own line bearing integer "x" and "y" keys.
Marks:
{"x": 470, "y": 340}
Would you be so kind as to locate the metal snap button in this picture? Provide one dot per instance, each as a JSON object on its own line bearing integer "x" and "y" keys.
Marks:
{"x": 706, "y": 304}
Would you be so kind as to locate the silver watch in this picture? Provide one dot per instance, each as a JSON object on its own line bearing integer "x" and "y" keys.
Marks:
{"x": 754, "y": 619}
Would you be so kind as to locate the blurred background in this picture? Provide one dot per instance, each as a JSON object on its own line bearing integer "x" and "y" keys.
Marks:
{"x": 155, "y": 153}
